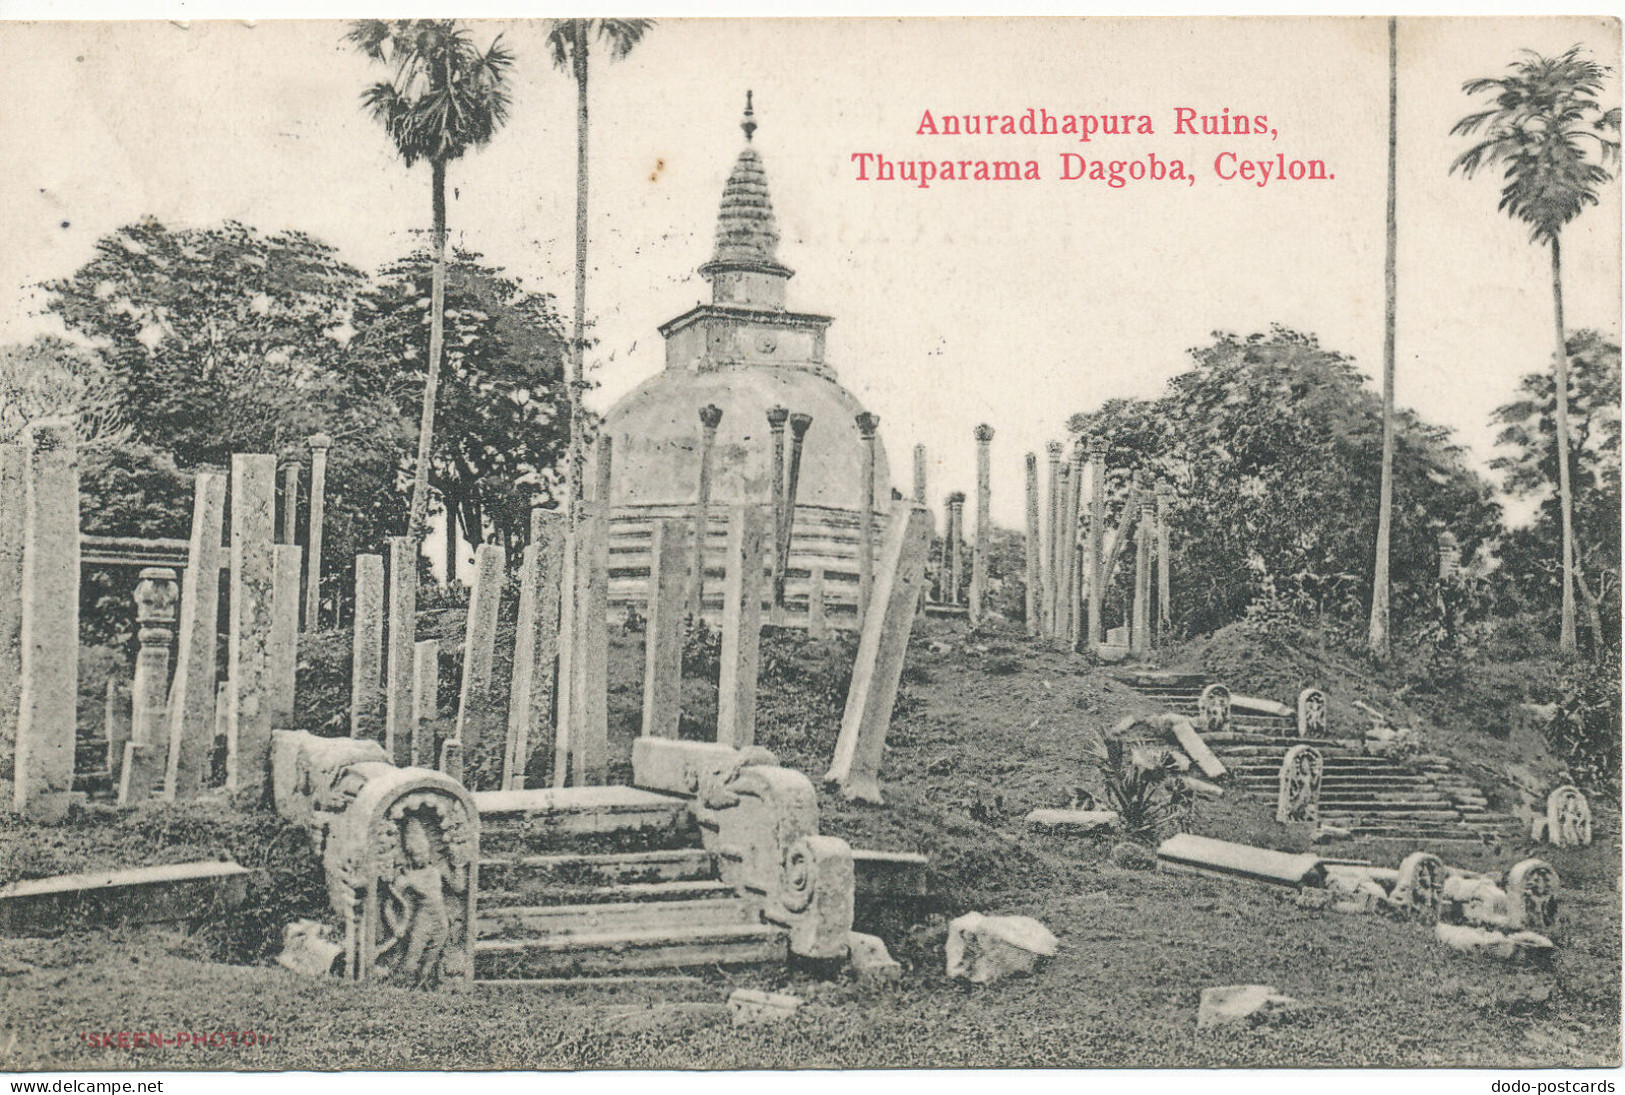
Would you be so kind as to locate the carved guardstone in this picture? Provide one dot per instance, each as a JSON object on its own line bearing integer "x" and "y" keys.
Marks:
{"x": 1311, "y": 713}
{"x": 1421, "y": 884}
{"x": 1213, "y": 709}
{"x": 1568, "y": 818}
{"x": 399, "y": 846}
{"x": 1531, "y": 890}
{"x": 1299, "y": 797}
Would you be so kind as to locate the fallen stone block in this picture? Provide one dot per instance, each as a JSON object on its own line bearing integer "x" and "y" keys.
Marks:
{"x": 751, "y": 1007}
{"x": 985, "y": 949}
{"x": 886, "y": 876}
{"x": 1477, "y": 901}
{"x": 1241, "y": 1006}
{"x": 871, "y": 961}
{"x": 1202, "y": 788}
{"x": 1074, "y": 821}
{"x": 1256, "y": 705}
{"x": 306, "y": 950}
{"x": 1185, "y": 852}
{"x": 1507, "y": 947}
{"x": 1330, "y": 834}
{"x": 141, "y": 895}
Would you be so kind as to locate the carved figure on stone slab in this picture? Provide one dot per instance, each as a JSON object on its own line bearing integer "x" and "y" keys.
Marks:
{"x": 1420, "y": 886}
{"x": 416, "y": 917}
{"x": 1532, "y": 887}
{"x": 1299, "y": 797}
{"x": 1213, "y": 709}
{"x": 1568, "y": 818}
{"x": 1311, "y": 713}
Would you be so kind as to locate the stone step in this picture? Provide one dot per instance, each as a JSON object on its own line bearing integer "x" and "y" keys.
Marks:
{"x": 616, "y": 951}
{"x": 531, "y": 872}
{"x": 179, "y": 892}
{"x": 1336, "y": 816}
{"x": 492, "y": 898}
{"x": 609, "y": 818}
{"x": 523, "y": 921}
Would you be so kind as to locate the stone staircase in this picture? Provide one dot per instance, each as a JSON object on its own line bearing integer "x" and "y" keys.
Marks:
{"x": 604, "y": 880}
{"x": 1422, "y": 799}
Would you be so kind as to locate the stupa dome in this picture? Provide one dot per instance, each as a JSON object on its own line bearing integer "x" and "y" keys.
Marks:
{"x": 743, "y": 353}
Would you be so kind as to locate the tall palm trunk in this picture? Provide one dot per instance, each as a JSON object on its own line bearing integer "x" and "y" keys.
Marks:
{"x": 437, "y": 334}
{"x": 577, "y": 457}
{"x": 1377, "y": 639}
{"x": 1565, "y": 498}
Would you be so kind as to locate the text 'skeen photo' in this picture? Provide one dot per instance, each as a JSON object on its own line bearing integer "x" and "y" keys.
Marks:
{"x": 824, "y": 543}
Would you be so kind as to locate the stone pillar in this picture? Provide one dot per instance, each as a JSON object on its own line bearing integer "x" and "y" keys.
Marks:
{"x": 776, "y": 418}
{"x": 663, "y": 633}
{"x": 799, "y": 425}
{"x": 253, "y": 570}
{"x": 882, "y": 648}
{"x": 116, "y": 719}
{"x": 536, "y": 644}
{"x": 49, "y": 627}
{"x": 319, "y": 444}
{"x": 1035, "y": 552}
{"x": 817, "y": 623}
{"x": 1140, "y": 635}
{"x": 425, "y": 700}
{"x": 142, "y": 771}
{"x": 1097, "y": 528}
{"x": 956, "y": 530}
{"x": 282, "y": 648}
{"x": 192, "y": 695}
{"x": 13, "y": 464}
{"x": 741, "y": 628}
{"x": 867, "y": 425}
{"x": 919, "y": 475}
{"x": 367, "y": 648}
{"x": 475, "y": 718}
{"x": 589, "y": 744}
{"x": 710, "y": 419}
{"x": 1052, "y": 540}
{"x": 984, "y": 522}
{"x": 403, "y": 604}
{"x": 1165, "y": 612}
{"x": 1067, "y": 579}
{"x": 290, "y": 507}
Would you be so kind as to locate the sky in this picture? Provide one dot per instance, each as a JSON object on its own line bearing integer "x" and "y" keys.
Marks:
{"x": 1011, "y": 303}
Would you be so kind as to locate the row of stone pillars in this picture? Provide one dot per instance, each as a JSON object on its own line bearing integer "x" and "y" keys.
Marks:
{"x": 174, "y": 717}
{"x": 785, "y": 474}
{"x": 1066, "y": 556}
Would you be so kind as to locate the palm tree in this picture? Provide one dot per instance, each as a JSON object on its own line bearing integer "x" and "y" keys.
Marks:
{"x": 1377, "y": 639}
{"x": 1549, "y": 130}
{"x": 570, "y": 40}
{"x": 443, "y": 98}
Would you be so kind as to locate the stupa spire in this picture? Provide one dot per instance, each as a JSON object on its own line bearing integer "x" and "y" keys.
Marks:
{"x": 747, "y": 231}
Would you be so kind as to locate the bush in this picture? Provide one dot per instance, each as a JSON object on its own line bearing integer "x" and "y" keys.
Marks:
{"x": 1586, "y": 729}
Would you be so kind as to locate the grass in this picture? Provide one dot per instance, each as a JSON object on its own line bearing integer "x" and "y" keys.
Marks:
{"x": 985, "y": 731}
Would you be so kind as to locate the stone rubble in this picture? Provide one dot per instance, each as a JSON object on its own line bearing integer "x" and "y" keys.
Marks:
{"x": 871, "y": 960}
{"x": 1227, "y": 1006}
{"x": 986, "y": 949}
{"x": 752, "y": 1007}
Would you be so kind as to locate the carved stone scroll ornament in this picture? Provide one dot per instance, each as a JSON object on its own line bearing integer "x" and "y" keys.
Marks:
{"x": 761, "y": 822}
{"x": 1532, "y": 887}
{"x": 1299, "y": 794}
{"x": 1311, "y": 713}
{"x": 1213, "y": 709}
{"x": 1421, "y": 883}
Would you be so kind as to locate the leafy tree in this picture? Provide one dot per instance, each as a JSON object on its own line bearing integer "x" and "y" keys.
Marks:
{"x": 1531, "y": 469}
{"x": 221, "y": 340}
{"x": 1549, "y": 130}
{"x": 570, "y": 41}
{"x": 50, "y": 378}
{"x": 501, "y": 403}
{"x": 444, "y": 97}
{"x": 1273, "y": 445}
